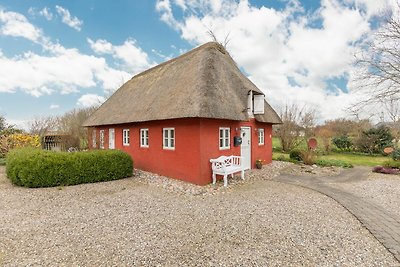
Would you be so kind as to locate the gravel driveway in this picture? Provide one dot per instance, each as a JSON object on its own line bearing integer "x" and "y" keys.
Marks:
{"x": 128, "y": 222}
{"x": 381, "y": 189}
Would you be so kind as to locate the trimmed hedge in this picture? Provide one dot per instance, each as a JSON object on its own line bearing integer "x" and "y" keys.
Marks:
{"x": 40, "y": 168}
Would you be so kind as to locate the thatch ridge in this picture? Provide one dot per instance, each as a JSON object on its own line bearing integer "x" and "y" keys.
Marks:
{"x": 202, "y": 83}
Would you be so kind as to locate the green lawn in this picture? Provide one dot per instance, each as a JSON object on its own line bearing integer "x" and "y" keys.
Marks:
{"x": 356, "y": 160}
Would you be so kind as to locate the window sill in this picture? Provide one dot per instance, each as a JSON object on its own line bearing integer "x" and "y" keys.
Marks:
{"x": 224, "y": 148}
{"x": 169, "y": 148}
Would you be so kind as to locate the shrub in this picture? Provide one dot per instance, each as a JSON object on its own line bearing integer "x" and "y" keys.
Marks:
{"x": 384, "y": 170}
{"x": 342, "y": 142}
{"x": 392, "y": 164}
{"x": 332, "y": 162}
{"x": 283, "y": 158}
{"x": 40, "y": 168}
{"x": 374, "y": 140}
{"x": 396, "y": 154}
{"x": 308, "y": 157}
{"x": 295, "y": 154}
{"x": 17, "y": 140}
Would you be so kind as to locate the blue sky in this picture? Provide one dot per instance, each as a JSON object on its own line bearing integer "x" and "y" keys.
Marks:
{"x": 60, "y": 55}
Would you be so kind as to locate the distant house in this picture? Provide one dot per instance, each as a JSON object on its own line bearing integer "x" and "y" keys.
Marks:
{"x": 173, "y": 118}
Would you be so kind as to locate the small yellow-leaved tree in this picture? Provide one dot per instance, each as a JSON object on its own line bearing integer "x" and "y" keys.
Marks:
{"x": 17, "y": 140}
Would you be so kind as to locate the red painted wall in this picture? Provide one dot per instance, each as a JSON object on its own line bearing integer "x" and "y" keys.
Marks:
{"x": 209, "y": 136}
{"x": 196, "y": 142}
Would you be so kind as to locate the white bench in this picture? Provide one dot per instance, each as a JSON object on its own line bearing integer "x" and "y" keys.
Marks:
{"x": 226, "y": 165}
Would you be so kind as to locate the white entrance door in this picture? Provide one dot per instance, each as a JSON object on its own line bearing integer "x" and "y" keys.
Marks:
{"x": 245, "y": 147}
{"x": 111, "y": 138}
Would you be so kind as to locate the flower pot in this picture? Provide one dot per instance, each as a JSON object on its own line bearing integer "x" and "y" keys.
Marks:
{"x": 258, "y": 165}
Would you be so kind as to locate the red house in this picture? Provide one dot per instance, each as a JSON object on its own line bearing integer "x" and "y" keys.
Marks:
{"x": 173, "y": 118}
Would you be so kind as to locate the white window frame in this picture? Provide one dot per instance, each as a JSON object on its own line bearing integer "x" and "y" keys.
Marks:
{"x": 102, "y": 135}
{"x": 125, "y": 137}
{"x": 169, "y": 138}
{"x": 224, "y": 139}
{"x": 94, "y": 141}
{"x": 261, "y": 136}
{"x": 144, "y": 137}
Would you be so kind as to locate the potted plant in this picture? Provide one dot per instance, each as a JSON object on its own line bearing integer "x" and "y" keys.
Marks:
{"x": 259, "y": 164}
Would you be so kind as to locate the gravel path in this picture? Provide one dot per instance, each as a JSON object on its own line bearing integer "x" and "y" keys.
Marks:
{"x": 131, "y": 222}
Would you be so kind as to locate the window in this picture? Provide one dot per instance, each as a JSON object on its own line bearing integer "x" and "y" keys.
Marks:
{"x": 224, "y": 138}
{"x": 125, "y": 137}
{"x": 94, "y": 144}
{"x": 169, "y": 138}
{"x": 258, "y": 104}
{"x": 102, "y": 139}
{"x": 260, "y": 136}
{"x": 144, "y": 137}
{"x": 111, "y": 138}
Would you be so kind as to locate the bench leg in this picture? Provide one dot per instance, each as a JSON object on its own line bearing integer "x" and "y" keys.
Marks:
{"x": 225, "y": 180}
{"x": 242, "y": 174}
{"x": 214, "y": 178}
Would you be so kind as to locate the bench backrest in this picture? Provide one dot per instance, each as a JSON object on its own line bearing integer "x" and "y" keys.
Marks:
{"x": 225, "y": 161}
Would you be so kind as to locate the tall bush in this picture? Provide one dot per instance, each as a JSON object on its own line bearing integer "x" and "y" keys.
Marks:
{"x": 374, "y": 140}
{"x": 40, "y": 168}
{"x": 342, "y": 142}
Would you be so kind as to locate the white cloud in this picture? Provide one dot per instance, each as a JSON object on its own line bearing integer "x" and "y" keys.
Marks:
{"x": 65, "y": 71}
{"x": 54, "y": 106}
{"x": 45, "y": 12}
{"x": 68, "y": 19}
{"x": 101, "y": 46}
{"x": 164, "y": 7}
{"x": 60, "y": 69}
{"x": 133, "y": 58}
{"x": 17, "y": 25}
{"x": 90, "y": 100}
{"x": 288, "y": 53}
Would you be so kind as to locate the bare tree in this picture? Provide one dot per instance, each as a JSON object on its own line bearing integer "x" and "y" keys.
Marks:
{"x": 3, "y": 123}
{"x": 380, "y": 62}
{"x": 42, "y": 125}
{"x": 6, "y": 128}
{"x": 298, "y": 123}
{"x": 392, "y": 108}
{"x": 307, "y": 121}
{"x": 69, "y": 123}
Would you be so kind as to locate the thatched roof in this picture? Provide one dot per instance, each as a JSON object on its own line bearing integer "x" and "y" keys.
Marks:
{"x": 203, "y": 83}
